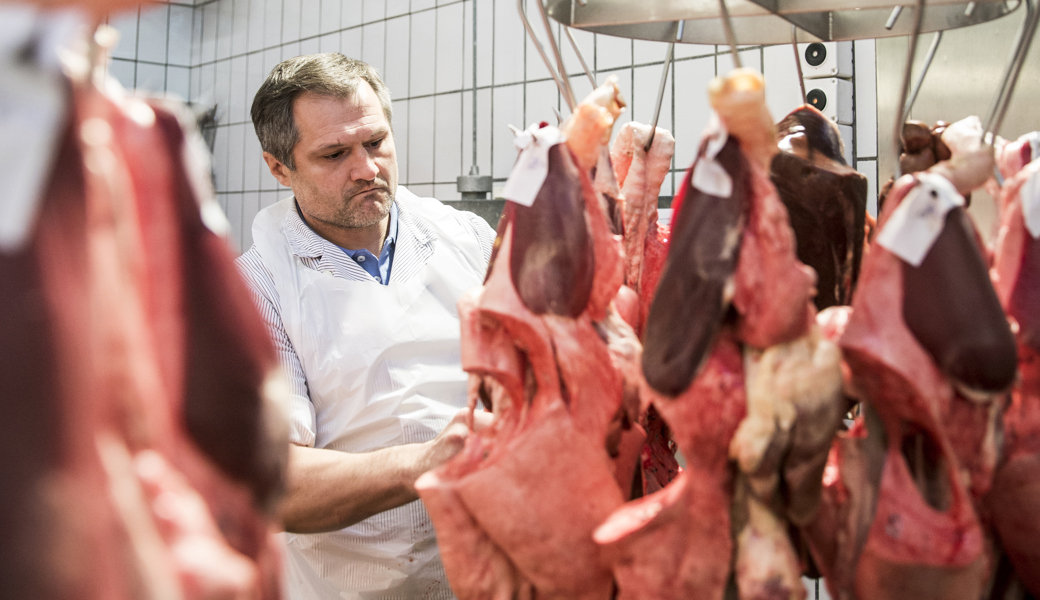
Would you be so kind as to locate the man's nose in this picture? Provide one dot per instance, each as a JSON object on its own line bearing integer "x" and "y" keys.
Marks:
{"x": 364, "y": 167}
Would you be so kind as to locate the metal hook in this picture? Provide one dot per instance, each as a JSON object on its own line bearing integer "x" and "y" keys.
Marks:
{"x": 730, "y": 38}
{"x": 556, "y": 52}
{"x": 915, "y": 32}
{"x": 892, "y": 18}
{"x": 1018, "y": 57}
{"x": 565, "y": 90}
{"x": 680, "y": 25}
{"x": 581, "y": 58}
{"x": 920, "y": 77}
{"x": 798, "y": 61}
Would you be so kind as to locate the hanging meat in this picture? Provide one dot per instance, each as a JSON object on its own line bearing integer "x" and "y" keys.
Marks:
{"x": 897, "y": 519}
{"x": 731, "y": 287}
{"x": 122, "y": 485}
{"x": 826, "y": 200}
{"x": 515, "y": 510}
{"x": 1015, "y": 493}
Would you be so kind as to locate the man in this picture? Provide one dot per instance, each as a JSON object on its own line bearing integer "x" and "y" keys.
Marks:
{"x": 358, "y": 279}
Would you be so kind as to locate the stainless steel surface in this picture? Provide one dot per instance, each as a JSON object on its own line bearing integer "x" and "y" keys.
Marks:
{"x": 766, "y": 21}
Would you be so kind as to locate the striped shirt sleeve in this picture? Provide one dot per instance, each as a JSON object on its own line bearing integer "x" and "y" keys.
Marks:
{"x": 261, "y": 286}
{"x": 485, "y": 234}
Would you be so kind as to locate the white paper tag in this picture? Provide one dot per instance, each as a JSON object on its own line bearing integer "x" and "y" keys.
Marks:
{"x": 1029, "y": 194}
{"x": 917, "y": 222}
{"x": 708, "y": 175}
{"x": 532, "y": 166}
{"x": 32, "y": 115}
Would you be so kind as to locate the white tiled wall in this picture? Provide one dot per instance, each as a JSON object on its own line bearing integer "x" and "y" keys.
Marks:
{"x": 219, "y": 51}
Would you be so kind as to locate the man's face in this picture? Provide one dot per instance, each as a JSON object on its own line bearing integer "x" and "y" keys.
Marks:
{"x": 346, "y": 163}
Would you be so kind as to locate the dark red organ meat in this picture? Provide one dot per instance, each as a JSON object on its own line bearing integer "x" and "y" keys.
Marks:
{"x": 826, "y": 201}
{"x": 513, "y": 514}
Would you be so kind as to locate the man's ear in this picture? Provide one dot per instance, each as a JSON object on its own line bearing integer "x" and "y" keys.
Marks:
{"x": 278, "y": 169}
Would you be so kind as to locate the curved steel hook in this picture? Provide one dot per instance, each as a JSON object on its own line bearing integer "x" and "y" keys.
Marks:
{"x": 1017, "y": 58}
{"x": 680, "y": 25}
{"x": 561, "y": 80}
{"x": 915, "y": 32}
{"x": 727, "y": 24}
{"x": 920, "y": 76}
{"x": 581, "y": 58}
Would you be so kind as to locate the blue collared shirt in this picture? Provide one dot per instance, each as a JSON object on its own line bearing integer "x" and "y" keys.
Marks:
{"x": 379, "y": 268}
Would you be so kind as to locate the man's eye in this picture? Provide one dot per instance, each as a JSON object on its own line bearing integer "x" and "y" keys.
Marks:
{"x": 334, "y": 155}
{"x": 376, "y": 143}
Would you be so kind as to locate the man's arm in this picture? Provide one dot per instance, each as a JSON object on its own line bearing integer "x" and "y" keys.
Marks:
{"x": 330, "y": 490}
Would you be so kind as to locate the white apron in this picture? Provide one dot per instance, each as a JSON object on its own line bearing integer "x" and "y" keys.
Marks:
{"x": 383, "y": 369}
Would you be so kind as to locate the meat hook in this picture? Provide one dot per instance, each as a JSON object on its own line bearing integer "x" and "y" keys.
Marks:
{"x": 727, "y": 24}
{"x": 680, "y": 25}
{"x": 915, "y": 32}
{"x": 1015, "y": 61}
{"x": 924, "y": 71}
{"x": 561, "y": 79}
{"x": 581, "y": 58}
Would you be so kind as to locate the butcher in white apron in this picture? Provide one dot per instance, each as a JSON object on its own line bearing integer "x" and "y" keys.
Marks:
{"x": 374, "y": 347}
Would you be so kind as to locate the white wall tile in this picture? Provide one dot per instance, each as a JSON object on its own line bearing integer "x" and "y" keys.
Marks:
{"x": 238, "y": 111}
{"x": 586, "y": 44}
{"x": 234, "y": 216}
{"x": 612, "y": 52}
{"x": 485, "y": 41}
{"x": 582, "y": 87}
{"x": 256, "y": 72}
{"x": 350, "y": 42}
{"x": 310, "y": 46}
{"x": 329, "y": 42}
{"x": 424, "y": 63}
{"x": 330, "y": 15}
{"x": 666, "y": 185}
{"x": 372, "y": 10}
{"x": 446, "y": 191}
{"x": 256, "y": 30}
{"x": 397, "y": 56}
{"x": 373, "y": 44}
{"x": 485, "y": 132}
{"x": 151, "y": 41}
{"x": 869, "y": 168}
{"x": 693, "y": 50}
{"x": 178, "y": 82}
{"x": 179, "y": 43}
{"x": 750, "y": 59}
{"x": 222, "y": 90}
{"x": 644, "y": 96}
{"x": 692, "y": 108}
{"x": 195, "y": 78}
{"x": 449, "y": 47}
{"x": 648, "y": 52}
{"x": 401, "y": 137}
{"x": 423, "y": 191}
{"x": 125, "y": 23}
{"x": 418, "y": 5}
{"x": 196, "y": 37}
{"x": 536, "y": 68}
{"x": 509, "y": 40}
{"x": 866, "y": 98}
{"x": 151, "y": 78}
{"x": 310, "y": 18}
{"x": 420, "y": 140}
{"x": 225, "y": 28}
{"x": 540, "y": 99}
{"x": 508, "y": 110}
{"x": 290, "y": 20}
{"x": 273, "y": 22}
{"x": 447, "y": 138}
{"x": 123, "y": 71}
{"x": 292, "y": 49}
{"x": 240, "y": 26}
{"x": 251, "y": 206}
{"x": 209, "y": 33}
{"x": 396, "y": 7}
{"x": 783, "y": 92}
{"x": 466, "y": 127}
{"x": 251, "y": 160}
{"x": 220, "y": 157}
{"x": 236, "y": 154}
{"x": 352, "y": 13}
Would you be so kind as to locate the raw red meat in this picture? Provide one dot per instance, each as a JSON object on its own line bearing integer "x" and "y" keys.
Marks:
{"x": 120, "y": 289}
{"x": 513, "y": 514}
{"x": 1015, "y": 494}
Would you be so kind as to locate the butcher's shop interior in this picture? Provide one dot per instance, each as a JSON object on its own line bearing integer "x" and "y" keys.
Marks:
{"x": 519, "y": 300}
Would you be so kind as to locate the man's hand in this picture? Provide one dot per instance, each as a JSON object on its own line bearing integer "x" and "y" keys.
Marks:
{"x": 450, "y": 441}
{"x": 329, "y": 490}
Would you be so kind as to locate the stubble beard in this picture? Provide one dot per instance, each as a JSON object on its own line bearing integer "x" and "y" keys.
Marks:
{"x": 367, "y": 215}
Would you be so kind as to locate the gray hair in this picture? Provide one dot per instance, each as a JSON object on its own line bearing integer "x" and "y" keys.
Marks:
{"x": 330, "y": 74}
